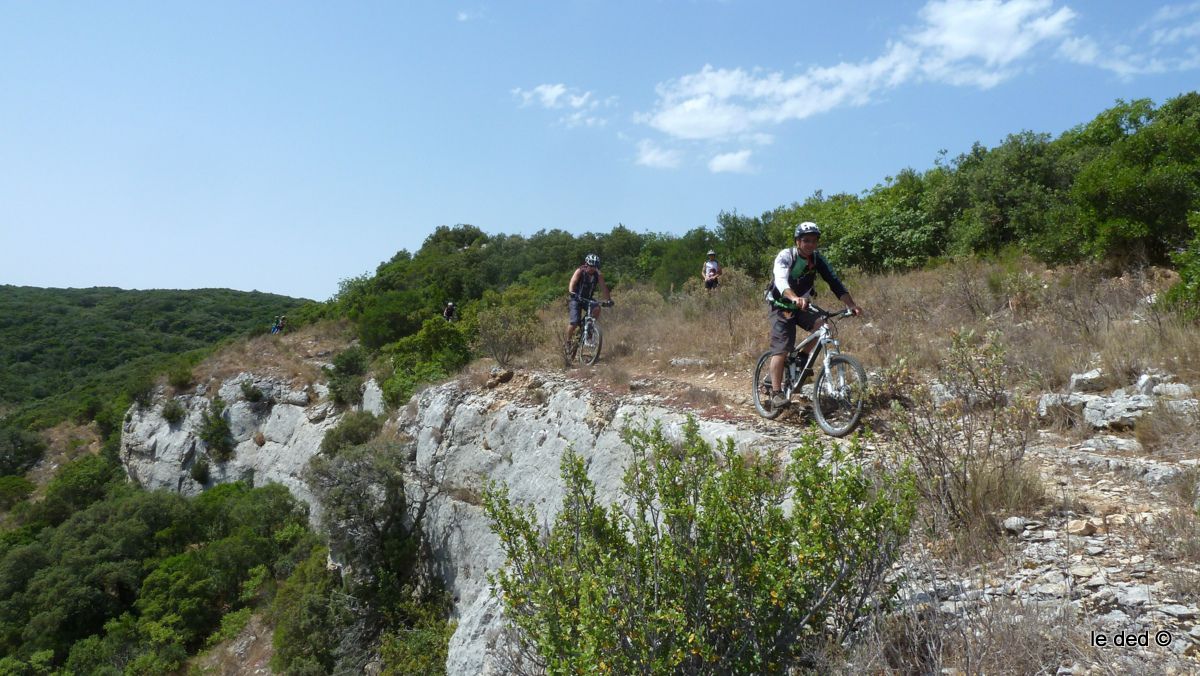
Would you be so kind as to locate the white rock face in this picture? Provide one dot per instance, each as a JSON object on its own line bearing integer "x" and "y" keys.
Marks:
{"x": 158, "y": 455}
{"x": 514, "y": 434}
{"x": 473, "y": 437}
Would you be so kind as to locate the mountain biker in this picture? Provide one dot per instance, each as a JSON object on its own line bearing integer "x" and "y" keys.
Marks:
{"x": 711, "y": 273}
{"x": 583, "y": 285}
{"x": 448, "y": 312}
{"x": 795, "y": 271}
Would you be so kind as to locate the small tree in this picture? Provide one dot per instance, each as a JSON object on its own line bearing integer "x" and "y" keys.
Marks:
{"x": 215, "y": 432}
{"x": 506, "y": 331}
{"x": 706, "y": 568}
{"x": 967, "y": 445}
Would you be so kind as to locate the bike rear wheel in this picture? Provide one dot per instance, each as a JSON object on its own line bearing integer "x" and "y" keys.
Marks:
{"x": 589, "y": 344}
{"x": 762, "y": 388}
{"x": 839, "y": 393}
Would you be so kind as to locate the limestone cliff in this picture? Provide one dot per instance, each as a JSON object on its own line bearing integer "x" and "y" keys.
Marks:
{"x": 461, "y": 434}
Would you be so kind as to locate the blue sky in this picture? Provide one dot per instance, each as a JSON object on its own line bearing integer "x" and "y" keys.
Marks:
{"x": 284, "y": 146}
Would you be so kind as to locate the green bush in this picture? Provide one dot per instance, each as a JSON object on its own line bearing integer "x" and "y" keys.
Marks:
{"x": 506, "y": 331}
{"x": 345, "y": 389}
{"x": 200, "y": 471}
{"x": 251, "y": 393}
{"x": 1184, "y": 296}
{"x": 352, "y": 361}
{"x": 704, "y": 569}
{"x": 355, "y": 428}
{"x": 19, "y": 450}
{"x": 308, "y": 618}
{"x": 215, "y": 432}
{"x": 173, "y": 412}
{"x": 422, "y": 646}
{"x": 14, "y": 489}
{"x": 180, "y": 377}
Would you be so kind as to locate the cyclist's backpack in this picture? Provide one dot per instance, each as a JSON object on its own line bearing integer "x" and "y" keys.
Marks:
{"x": 771, "y": 294}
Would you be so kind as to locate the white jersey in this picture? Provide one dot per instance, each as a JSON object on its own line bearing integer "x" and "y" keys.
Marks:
{"x": 710, "y": 268}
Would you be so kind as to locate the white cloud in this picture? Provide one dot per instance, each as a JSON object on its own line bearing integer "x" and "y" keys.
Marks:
{"x": 581, "y": 106}
{"x": 976, "y": 43}
{"x": 1186, "y": 28}
{"x": 1118, "y": 60}
{"x": 736, "y": 162}
{"x": 652, "y": 155}
{"x": 960, "y": 42}
{"x": 468, "y": 14}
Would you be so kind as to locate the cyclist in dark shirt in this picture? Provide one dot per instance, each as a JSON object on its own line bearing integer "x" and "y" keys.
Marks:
{"x": 583, "y": 285}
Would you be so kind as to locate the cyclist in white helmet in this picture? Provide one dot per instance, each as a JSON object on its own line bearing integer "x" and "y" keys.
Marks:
{"x": 796, "y": 269}
{"x": 584, "y": 283}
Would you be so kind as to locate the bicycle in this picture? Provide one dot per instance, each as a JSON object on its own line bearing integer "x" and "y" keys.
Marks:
{"x": 586, "y": 344}
{"x": 839, "y": 390}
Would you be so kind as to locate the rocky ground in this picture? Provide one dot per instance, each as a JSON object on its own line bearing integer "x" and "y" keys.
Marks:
{"x": 1089, "y": 565}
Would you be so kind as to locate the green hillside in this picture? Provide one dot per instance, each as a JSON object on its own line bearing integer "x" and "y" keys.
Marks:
{"x": 56, "y": 341}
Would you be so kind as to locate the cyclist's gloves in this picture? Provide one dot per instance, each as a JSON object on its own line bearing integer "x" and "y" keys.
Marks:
{"x": 607, "y": 303}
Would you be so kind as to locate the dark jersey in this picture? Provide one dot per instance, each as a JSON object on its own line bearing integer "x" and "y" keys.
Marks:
{"x": 586, "y": 287}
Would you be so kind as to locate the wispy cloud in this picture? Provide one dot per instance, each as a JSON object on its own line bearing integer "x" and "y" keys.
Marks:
{"x": 735, "y": 162}
{"x": 652, "y": 155}
{"x": 580, "y": 106}
{"x": 974, "y": 43}
{"x": 1175, "y": 24}
{"x": 468, "y": 15}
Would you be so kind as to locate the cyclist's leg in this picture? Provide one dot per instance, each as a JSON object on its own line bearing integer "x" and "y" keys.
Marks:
{"x": 783, "y": 339}
{"x": 574, "y": 320}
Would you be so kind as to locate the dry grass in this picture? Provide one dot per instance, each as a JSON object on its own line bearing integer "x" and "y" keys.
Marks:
{"x": 1168, "y": 433}
{"x": 1003, "y": 636}
{"x": 1175, "y": 537}
{"x": 290, "y": 355}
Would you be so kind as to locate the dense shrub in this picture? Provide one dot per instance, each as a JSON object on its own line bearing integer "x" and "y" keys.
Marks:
{"x": 215, "y": 432}
{"x": 14, "y": 489}
{"x": 200, "y": 471}
{"x": 437, "y": 350}
{"x": 346, "y": 376}
{"x": 173, "y": 412}
{"x": 506, "y": 331}
{"x": 251, "y": 393}
{"x": 19, "y": 450}
{"x": 705, "y": 569}
{"x": 355, "y": 428}
{"x": 180, "y": 377}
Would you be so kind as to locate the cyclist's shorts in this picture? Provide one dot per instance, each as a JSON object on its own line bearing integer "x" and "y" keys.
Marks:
{"x": 576, "y": 312}
{"x": 783, "y": 328}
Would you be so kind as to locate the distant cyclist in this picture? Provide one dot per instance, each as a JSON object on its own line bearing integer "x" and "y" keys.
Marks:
{"x": 796, "y": 269}
{"x": 583, "y": 285}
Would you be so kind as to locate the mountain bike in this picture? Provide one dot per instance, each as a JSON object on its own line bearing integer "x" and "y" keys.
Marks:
{"x": 585, "y": 346}
{"x": 840, "y": 389}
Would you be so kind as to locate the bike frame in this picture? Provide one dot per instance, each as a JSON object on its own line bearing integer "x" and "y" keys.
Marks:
{"x": 822, "y": 337}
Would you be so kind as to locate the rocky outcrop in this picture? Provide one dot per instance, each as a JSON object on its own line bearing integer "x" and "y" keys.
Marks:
{"x": 1120, "y": 409}
{"x": 516, "y": 436}
{"x": 276, "y": 429}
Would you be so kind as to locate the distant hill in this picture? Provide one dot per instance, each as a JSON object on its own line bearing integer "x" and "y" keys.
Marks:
{"x": 52, "y": 340}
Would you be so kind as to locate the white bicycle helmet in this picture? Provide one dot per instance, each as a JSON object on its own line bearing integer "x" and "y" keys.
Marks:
{"x": 807, "y": 228}
{"x": 592, "y": 260}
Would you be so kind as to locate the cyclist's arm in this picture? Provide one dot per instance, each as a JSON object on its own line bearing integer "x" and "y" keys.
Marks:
{"x": 603, "y": 285}
{"x": 849, "y": 301}
{"x": 574, "y": 282}
{"x": 783, "y": 265}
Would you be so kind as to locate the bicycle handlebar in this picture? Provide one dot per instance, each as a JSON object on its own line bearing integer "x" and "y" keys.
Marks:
{"x": 831, "y": 315}
{"x": 590, "y": 301}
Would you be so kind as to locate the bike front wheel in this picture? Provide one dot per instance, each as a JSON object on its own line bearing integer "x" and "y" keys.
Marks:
{"x": 589, "y": 345}
{"x": 762, "y": 388}
{"x": 839, "y": 393}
